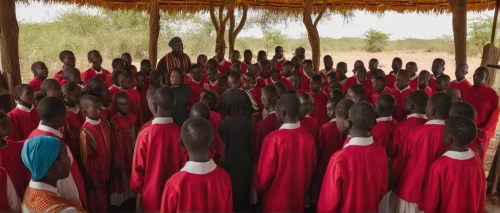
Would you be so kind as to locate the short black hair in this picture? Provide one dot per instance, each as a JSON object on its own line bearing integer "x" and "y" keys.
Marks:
{"x": 68, "y": 71}
{"x": 272, "y": 93}
{"x": 200, "y": 109}
{"x": 223, "y": 78}
{"x": 398, "y": 59}
{"x": 247, "y": 51}
{"x": 18, "y": 90}
{"x": 69, "y": 88}
{"x": 337, "y": 93}
{"x": 280, "y": 87}
{"x": 442, "y": 103}
{"x": 464, "y": 109}
{"x": 361, "y": 69}
{"x": 196, "y": 136}
{"x": 291, "y": 92}
{"x": 412, "y": 63}
{"x": 64, "y": 53}
{"x": 90, "y": 54}
{"x": 483, "y": 69}
{"x": 94, "y": 86}
{"x": 327, "y": 57}
{"x": 235, "y": 76}
{"x": 265, "y": 62}
{"x": 33, "y": 66}
{"x": 405, "y": 73}
{"x": 50, "y": 107}
{"x": 250, "y": 75}
{"x": 49, "y": 84}
{"x": 288, "y": 63}
{"x": 307, "y": 61}
{"x": 115, "y": 75}
{"x": 116, "y": 61}
{"x": 277, "y": 47}
{"x": 463, "y": 130}
{"x": 124, "y": 75}
{"x": 261, "y": 52}
{"x": 296, "y": 73}
{"x": 343, "y": 107}
{"x": 358, "y": 90}
{"x": 443, "y": 77}
{"x": 361, "y": 115}
{"x": 156, "y": 74}
{"x": 119, "y": 95}
{"x": 373, "y": 60}
{"x": 140, "y": 74}
{"x": 195, "y": 66}
{"x": 164, "y": 97}
{"x": 387, "y": 101}
{"x": 145, "y": 61}
{"x": 87, "y": 100}
{"x": 151, "y": 91}
{"x": 289, "y": 103}
{"x": 419, "y": 98}
{"x": 334, "y": 100}
{"x": 381, "y": 78}
{"x": 212, "y": 62}
{"x": 440, "y": 61}
{"x": 317, "y": 78}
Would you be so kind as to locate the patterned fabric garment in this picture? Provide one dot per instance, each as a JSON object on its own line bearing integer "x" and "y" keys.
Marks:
{"x": 45, "y": 201}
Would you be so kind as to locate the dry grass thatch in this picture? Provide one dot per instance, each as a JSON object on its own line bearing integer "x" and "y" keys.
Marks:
{"x": 289, "y": 7}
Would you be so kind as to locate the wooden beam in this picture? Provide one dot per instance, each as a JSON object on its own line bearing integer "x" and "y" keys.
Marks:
{"x": 154, "y": 31}
{"x": 9, "y": 43}
{"x": 459, "y": 11}
{"x": 312, "y": 32}
{"x": 491, "y": 54}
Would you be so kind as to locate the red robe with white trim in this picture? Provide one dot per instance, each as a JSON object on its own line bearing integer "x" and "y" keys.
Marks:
{"x": 59, "y": 75}
{"x": 10, "y": 160}
{"x": 375, "y": 95}
{"x": 428, "y": 91}
{"x": 262, "y": 129}
{"x": 281, "y": 62}
{"x": 311, "y": 125}
{"x": 348, "y": 83}
{"x": 391, "y": 80}
{"x": 113, "y": 90}
{"x": 283, "y": 80}
{"x": 367, "y": 84}
{"x": 35, "y": 84}
{"x": 319, "y": 112}
{"x": 400, "y": 96}
{"x": 401, "y": 132}
{"x": 261, "y": 83}
{"x": 123, "y": 132}
{"x": 355, "y": 180}
{"x": 23, "y": 123}
{"x": 257, "y": 96}
{"x": 383, "y": 132}
{"x": 306, "y": 83}
{"x": 135, "y": 105}
{"x": 432, "y": 84}
{"x": 460, "y": 86}
{"x": 71, "y": 132}
{"x": 195, "y": 89}
{"x": 454, "y": 185}
{"x": 414, "y": 82}
{"x": 151, "y": 170}
{"x": 285, "y": 169}
{"x": 224, "y": 67}
{"x": 91, "y": 73}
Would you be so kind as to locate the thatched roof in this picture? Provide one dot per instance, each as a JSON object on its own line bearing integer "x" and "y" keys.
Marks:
{"x": 290, "y": 6}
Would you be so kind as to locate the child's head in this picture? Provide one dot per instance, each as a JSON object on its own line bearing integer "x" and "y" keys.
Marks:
{"x": 385, "y": 105}
{"x": 72, "y": 75}
{"x": 356, "y": 93}
{"x": 442, "y": 82}
{"x": 278, "y": 52}
{"x": 196, "y": 138}
{"x": 46, "y": 158}
{"x": 95, "y": 58}
{"x": 397, "y": 64}
{"x": 146, "y": 66}
{"x": 361, "y": 117}
{"x": 373, "y": 64}
{"x": 438, "y": 106}
{"x": 71, "y": 94}
{"x": 270, "y": 96}
{"x": 306, "y": 104}
{"x": 336, "y": 93}
{"x": 235, "y": 57}
{"x": 223, "y": 84}
{"x": 361, "y": 74}
{"x": 266, "y": 69}
{"x": 105, "y": 97}
{"x": 127, "y": 58}
{"x": 416, "y": 102}
{"x": 132, "y": 70}
{"x": 213, "y": 75}
{"x": 122, "y": 104}
{"x": 288, "y": 109}
{"x": 403, "y": 79}
{"x": 300, "y": 52}
{"x": 261, "y": 56}
{"x": 209, "y": 97}
{"x": 196, "y": 72}
{"x": 91, "y": 107}
{"x": 423, "y": 79}
{"x": 51, "y": 87}
{"x": 40, "y": 70}
{"x": 24, "y": 95}
{"x": 125, "y": 80}
{"x": 118, "y": 64}
{"x": 67, "y": 58}
{"x": 234, "y": 80}
{"x": 247, "y": 55}
{"x": 281, "y": 87}
{"x": 212, "y": 64}
{"x": 480, "y": 76}
{"x": 236, "y": 67}
{"x": 297, "y": 62}
{"x": 250, "y": 80}
{"x": 149, "y": 97}
{"x": 333, "y": 81}
{"x": 454, "y": 93}
{"x": 200, "y": 110}
{"x": 328, "y": 61}
{"x": 437, "y": 67}
{"x": 463, "y": 109}
{"x": 5, "y": 125}
{"x": 140, "y": 80}
{"x": 287, "y": 68}
{"x": 175, "y": 78}
{"x": 341, "y": 68}
{"x": 330, "y": 106}
{"x": 308, "y": 67}
{"x": 412, "y": 68}
{"x": 95, "y": 86}
{"x": 155, "y": 78}
{"x": 342, "y": 115}
{"x": 459, "y": 131}
{"x": 275, "y": 75}
{"x": 358, "y": 64}
{"x": 202, "y": 60}
{"x": 296, "y": 79}
{"x": 316, "y": 83}
{"x": 254, "y": 69}
{"x": 461, "y": 71}
{"x": 379, "y": 83}
{"x": 52, "y": 112}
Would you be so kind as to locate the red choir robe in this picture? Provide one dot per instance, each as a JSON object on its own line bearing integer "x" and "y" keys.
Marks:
{"x": 146, "y": 125}
{"x": 383, "y": 131}
{"x": 400, "y": 96}
{"x": 428, "y": 91}
{"x": 257, "y": 96}
{"x": 460, "y": 85}
{"x": 71, "y": 130}
{"x": 414, "y": 82}
{"x": 311, "y": 125}
{"x": 91, "y": 73}
{"x": 24, "y": 121}
{"x": 329, "y": 142}
{"x": 10, "y": 160}
{"x": 217, "y": 152}
{"x": 95, "y": 147}
{"x": 9, "y": 200}
{"x": 432, "y": 84}
{"x": 113, "y": 89}
{"x": 71, "y": 188}
{"x": 346, "y": 187}
{"x": 224, "y": 66}
{"x": 151, "y": 170}
{"x": 306, "y": 82}
{"x": 135, "y": 105}
{"x": 391, "y": 80}
{"x": 319, "y": 112}
{"x": 422, "y": 147}
{"x": 244, "y": 67}
{"x": 288, "y": 158}
{"x": 402, "y": 130}
{"x": 35, "y": 84}
{"x": 348, "y": 83}
{"x": 454, "y": 183}
{"x": 375, "y": 95}
{"x": 195, "y": 89}
{"x": 485, "y": 100}
{"x": 261, "y": 83}
{"x": 106, "y": 112}
{"x": 198, "y": 187}
{"x": 146, "y": 114}
{"x": 59, "y": 75}
{"x": 367, "y": 84}
{"x": 283, "y": 80}
{"x": 280, "y": 64}
{"x": 262, "y": 129}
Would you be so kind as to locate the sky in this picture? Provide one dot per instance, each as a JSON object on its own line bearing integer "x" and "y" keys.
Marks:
{"x": 399, "y": 26}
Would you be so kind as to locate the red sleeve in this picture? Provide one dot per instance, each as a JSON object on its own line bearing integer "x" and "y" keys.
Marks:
{"x": 170, "y": 199}
{"x": 266, "y": 169}
{"x": 139, "y": 163}
{"x": 331, "y": 190}
{"x": 87, "y": 147}
{"x": 393, "y": 146}
{"x": 490, "y": 125}
{"x": 399, "y": 161}
{"x": 320, "y": 142}
{"x": 431, "y": 192}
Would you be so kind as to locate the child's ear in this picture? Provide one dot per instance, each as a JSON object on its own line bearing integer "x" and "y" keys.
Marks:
{"x": 448, "y": 139}
{"x": 17, "y": 98}
{"x": 181, "y": 143}
{"x": 155, "y": 106}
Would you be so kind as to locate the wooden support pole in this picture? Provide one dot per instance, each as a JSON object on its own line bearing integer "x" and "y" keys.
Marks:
{"x": 154, "y": 31}
{"x": 312, "y": 31}
{"x": 459, "y": 11}
{"x": 220, "y": 27}
{"x": 491, "y": 54}
{"x": 233, "y": 32}
{"x": 9, "y": 43}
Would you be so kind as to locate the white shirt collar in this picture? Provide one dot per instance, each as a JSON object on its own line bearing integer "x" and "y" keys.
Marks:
{"x": 414, "y": 77}
{"x": 281, "y": 59}
{"x": 74, "y": 110}
{"x": 359, "y": 141}
{"x": 343, "y": 81}
{"x": 384, "y": 119}
{"x": 162, "y": 120}
{"x": 196, "y": 82}
{"x": 290, "y": 126}
{"x": 98, "y": 72}
{"x": 25, "y": 109}
{"x": 306, "y": 75}
{"x": 43, "y": 186}
{"x": 93, "y": 122}
{"x": 273, "y": 112}
{"x": 407, "y": 88}
{"x": 213, "y": 84}
{"x": 333, "y": 120}
{"x": 417, "y": 115}
{"x": 459, "y": 155}
{"x": 273, "y": 81}
{"x": 199, "y": 168}
{"x": 222, "y": 62}
{"x": 460, "y": 81}
{"x": 49, "y": 129}
{"x": 308, "y": 116}
{"x": 117, "y": 87}
{"x": 435, "y": 122}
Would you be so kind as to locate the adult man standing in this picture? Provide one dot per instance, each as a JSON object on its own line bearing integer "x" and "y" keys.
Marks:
{"x": 176, "y": 58}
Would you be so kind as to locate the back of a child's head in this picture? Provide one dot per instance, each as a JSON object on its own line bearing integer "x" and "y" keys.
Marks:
{"x": 200, "y": 110}
{"x": 197, "y": 135}
{"x": 463, "y": 109}
{"x": 49, "y": 108}
{"x": 362, "y": 115}
{"x": 290, "y": 104}
{"x": 418, "y": 98}
{"x": 441, "y": 103}
{"x": 461, "y": 129}
{"x": 343, "y": 107}
{"x": 385, "y": 104}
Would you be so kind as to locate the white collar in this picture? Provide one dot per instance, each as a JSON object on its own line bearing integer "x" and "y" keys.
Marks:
{"x": 289, "y": 78}
{"x": 116, "y": 87}
{"x": 272, "y": 81}
{"x": 384, "y": 119}
{"x": 74, "y": 110}
{"x": 162, "y": 120}
{"x": 213, "y": 84}
{"x": 273, "y": 112}
{"x": 359, "y": 141}
{"x": 222, "y": 62}
{"x": 98, "y": 72}
{"x": 459, "y": 155}
{"x": 290, "y": 126}
{"x": 417, "y": 115}
{"x": 281, "y": 59}
{"x": 435, "y": 122}
{"x": 196, "y": 82}
{"x": 25, "y": 109}
{"x": 308, "y": 116}
{"x": 333, "y": 120}
{"x": 306, "y": 75}
{"x": 43, "y": 186}
{"x": 435, "y": 77}
{"x": 460, "y": 81}
{"x": 407, "y": 88}
{"x": 199, "y": 168}
{"x": 49, "y": 129}
{"x": 343, "y": 81}
{"x": 93, "y": 122}
{"x": 414, "y": 77}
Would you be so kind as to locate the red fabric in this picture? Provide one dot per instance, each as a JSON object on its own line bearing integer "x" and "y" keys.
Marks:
{"x": 283, "y": 80}
{"x": 319, "y": 112}
{"x": 146, "y": 125}
{"x": 59, "y": 75}
{"x": 106, "y": 113}
{"x": 224, "y": 67}
{"x": 257, "y": 96}
{"x": 414, "y": 82}
{"x": 10, "y": 160}
{"x": 301, "y": 90}
{"x": 422, "y": 147}
{"x": 217, "y": 152}
{"x": 187, "y": 192}
{"x": 71, "y": 132}
{"x": 123, "y": 132}
{"x": 146, "y": 113}
{"x": 213, "y": 88}
{"x": 485, "y": 100}
{"x": 35, "y": 84}
{"x": 150, "y": 170}
{"x": 4, "y": 199}
{"x": 195, "y": 90}
{"x": 355, "y": 180}
{"x": 348, "y": 83}
{"x": 383, "y": 132}
{"x": 401, "y": 132}
{"x": 460, "y": 86}
{"x": 311, "y": 125}
{"x": 244, "y": 67}
{"x": 375, "y": 95}
{"x": 306, "y": 83}
{"x": 428, "y": 91}
{"x": 454, "y": 186}
{"x": 113, "y": 90}
{"x": 23, "y": 123}
{"x": 279, "y": 65}
{"x": 262, "y": 129}
{"x": 368, "y": 89}
{"x": 135, "y": 105}
{"x": 391, "y": 81}
{"x": 399, "y": 113}
{"x": 91, "y": 73}
{"x": 329, "y": 142}
{"x": 288, "y": 158}
{"x": 261, "y": 83}
{"x": 432, "y": 84}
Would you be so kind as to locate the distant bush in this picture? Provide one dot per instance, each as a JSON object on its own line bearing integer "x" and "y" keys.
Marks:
{"x": 375, "y": 40}
{"x": 479, "y": 33}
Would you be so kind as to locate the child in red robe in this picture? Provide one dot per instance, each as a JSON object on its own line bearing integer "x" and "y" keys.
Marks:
{"x": 455, "y": 174}
{"x": 134, "y": 97}
{"x": 379, "y": 84}
{"x": 437, "y": 70}
{"x": 123, "y": 133}
{"x": 259, "y": 82}
{"x": 74, "y": 118}
{"x": 96, "y": 70}
{"x": 296, "y": 79}
{"x": 455, "y": 94}
{"x": 249, "y": 85}
{"x": 400, "y": 93}
{"x": 188, "y": 189}
{"x": 288, "y": 158}
{"x": 422, "y": 147}
{"x": 95, "y": 147}
{"x": 40, "y": 73}
{"x": 51, "y": 88}
{"x": 217, "y": 150}
{"x": 24, "y": 117}
{"x": 9, "y": 199}
{"x": 307, "y": 74}
{"x": 279, "y": 58}
{"x": 467, "y": 110}
{"x": 151, "y": 170}
{"x": 195, "y": 84}
{"x": 396, "y": 66}
{"x": 115, "y": 87}
{"x": 341, "y": 70}
{"x": 307, "y": 121}
{"x": 202, "y": 61}
{"x": 267, "y": 125}
{"x": 72, "y": 75}
{"x": 485, "y": 100}
{"x": 276, "y": 77}
{"x": 442, "y": 82}
{"x": 361, "y": 157}
{"x": 329, "y": 141}
{"x": 423, "y": 82}
{"x": 142, "y": 87}
{"x": 356, "y": 93}
{"x": 383, "y": 130}
{"x": 460, "y": 83}
{"x": 68, "y": 59}
{"x": 320, "y": 99}
{"x": 149, "y": 96}
{"x": 212, "y": 83}
{"x": 235, "y": 59}
{"x": 266, "y": 71}
{"x": 365, "y": 81}
{"x": 413, "y": 69}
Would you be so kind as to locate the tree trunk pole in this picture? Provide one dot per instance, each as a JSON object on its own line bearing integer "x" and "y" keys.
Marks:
{"x": 312, "y": 33}
{"x": 9, "y": 43}
{"x": 154, "y": 31}
{"x": 459, "y": 10}
{"x": 233, "y": 32}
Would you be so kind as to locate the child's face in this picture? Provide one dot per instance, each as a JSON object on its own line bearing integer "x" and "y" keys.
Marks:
{"x": 146, "y": 68}
{"x": 402, "y": 82}
{"x": 196, "y": 74}
{"x": 372, "y": 65}
{"x": 378, "y": 86}
{"x": 361, "y": 76}
{"x": 262, "y": 57}
{"x": 266, "y": 71}
{"x": 461, "y": 71}
{"x": 202, "y": 61}
{"x": 75, "y": 77}
{"x": 96, "y": 60}
{"x": 55, "y": 92}
{"x": 315, "y": 86}
{"x": 248, "y": 57}
{"x": 213, "y": 75}
{"x": 276, "y": 76}
{"x": 69, "y": 60}
{"x": 296, "y": 81}
{"x": 248, "y": 83}
{"x": 479, "y": 77}
{"x": 351, "y": 95}
{"x": 254, "y": 70}
{"x": 122, "y": 105}
{"x": 235, "y": 57}
{"x": 396, "y": 65}
{"x": 73, "y": 97}
{"x": 328, "y": 63}
{"x": 441, "y": 85}
{"x": 411, "y": 69}
{"x": 223, "y": 85}
{"x": 423, "y": 81}
{"x": 437, "y": 68}
{"x": 330, "y": 110}
{"x": 140, "y": 81}
{"x": 126, "y": 83}
{"x": 155, "y": 81}
{"x": 41, "y": 71}
{"x": 27, "y": 96}
{"x": 234, "y": 83}
{"x": 93, "y": 111}
{"x": 341, "y": 69}
{"x": 287, "y": 70}
{"x": 5, "y": 126}
{"x": 308, "y": 69}
{"x": 104, "y": 97}
{"x": 127, "y": 58}
{"x": 175, "y": 79}
{"x": 132, "y": 70}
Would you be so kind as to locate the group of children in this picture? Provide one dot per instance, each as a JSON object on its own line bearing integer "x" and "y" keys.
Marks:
{"x": 234, "y": 136}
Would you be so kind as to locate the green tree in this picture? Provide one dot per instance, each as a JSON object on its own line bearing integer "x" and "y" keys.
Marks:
{"x": 479, "y": 33}
{"x": 273, "y": 38}
{"x": 375, "y": 40}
